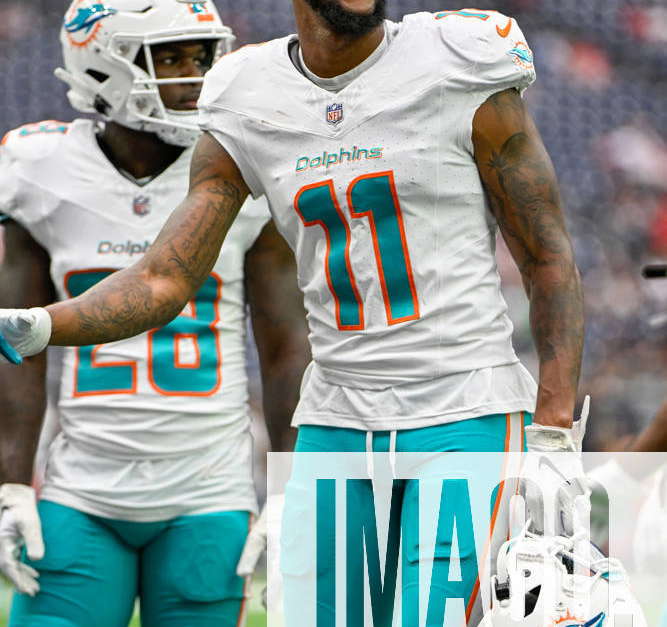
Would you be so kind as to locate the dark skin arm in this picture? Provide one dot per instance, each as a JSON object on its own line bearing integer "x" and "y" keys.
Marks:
{"x": 521, "y": 184}
{"x": 280, "y": 330}
{"x": 24, "y": 282}
{"x": 154, "y": 291}
{"x": 653, "y": 439}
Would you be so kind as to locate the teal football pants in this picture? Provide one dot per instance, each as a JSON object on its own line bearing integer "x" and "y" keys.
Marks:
{"x": 183, "y": 570}
{"x": 492, "y": 434}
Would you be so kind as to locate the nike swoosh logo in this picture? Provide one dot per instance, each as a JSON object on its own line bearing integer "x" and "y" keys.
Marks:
{"x": 504, "y": 32}
{"x": 545, "y": 461}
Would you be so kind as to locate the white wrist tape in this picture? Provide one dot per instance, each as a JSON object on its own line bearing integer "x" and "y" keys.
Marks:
{"x": 547, "y": 439}
{"x": 27, "y": 330}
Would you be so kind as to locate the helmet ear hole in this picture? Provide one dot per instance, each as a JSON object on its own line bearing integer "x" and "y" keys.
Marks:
{"x": 140, "y": 60}
{"x": 100, "y": 77}
{"x": 101, "y": 105}
{"x": 532, "y": 596}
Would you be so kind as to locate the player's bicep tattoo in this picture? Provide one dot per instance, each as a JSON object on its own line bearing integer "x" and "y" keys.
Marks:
{"x": 191, "y": 245}
{"x": 521, "y": 183}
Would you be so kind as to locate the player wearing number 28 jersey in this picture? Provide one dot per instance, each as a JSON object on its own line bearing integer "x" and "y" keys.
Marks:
{"x": 176, "y": 392}
{"x": 372, "y": 182}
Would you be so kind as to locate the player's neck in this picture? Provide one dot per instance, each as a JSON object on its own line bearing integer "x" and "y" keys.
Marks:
{"x": 139, "y": 153}
{"x": 328, "y": 54}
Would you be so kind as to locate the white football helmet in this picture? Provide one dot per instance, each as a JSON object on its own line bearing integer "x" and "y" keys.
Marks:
{"x": 544, "y": 582}
{"x": 101, "y": 43}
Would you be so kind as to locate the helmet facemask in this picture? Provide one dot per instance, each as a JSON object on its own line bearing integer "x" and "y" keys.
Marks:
{"x": 145, "y": 103}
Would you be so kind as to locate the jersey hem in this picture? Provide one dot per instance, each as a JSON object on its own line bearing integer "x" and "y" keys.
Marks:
{"x": 378, "y": 382}
{"x": 154, "y": 514}
{"x": 401, "y": 423}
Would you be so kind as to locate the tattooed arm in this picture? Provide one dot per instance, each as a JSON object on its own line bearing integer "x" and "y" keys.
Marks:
{"x": 521, "y": 185}
{"x": 154, "y": 290}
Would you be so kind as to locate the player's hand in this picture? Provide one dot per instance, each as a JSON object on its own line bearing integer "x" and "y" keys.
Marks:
{"x": 554, "y": 470}
{"x": 268, "y": 524}
{"x": 254, "y": 547}
{"x": 23, "y": 333}
{"x": 20, "y": 526}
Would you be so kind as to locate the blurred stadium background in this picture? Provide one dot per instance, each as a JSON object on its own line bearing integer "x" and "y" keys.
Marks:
{"x": 600, "y": 103}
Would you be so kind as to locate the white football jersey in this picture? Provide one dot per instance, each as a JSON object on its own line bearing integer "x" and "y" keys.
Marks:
{"x": 176, "y": 393}
{"x": 376, "y": 189}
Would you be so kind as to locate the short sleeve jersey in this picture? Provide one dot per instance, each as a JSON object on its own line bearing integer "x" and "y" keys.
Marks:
{"x": 377, "y": 191}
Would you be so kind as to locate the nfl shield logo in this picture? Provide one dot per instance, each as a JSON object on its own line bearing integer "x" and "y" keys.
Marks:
{"x": 335, "y": 113}
{"x": 141, "y": 205}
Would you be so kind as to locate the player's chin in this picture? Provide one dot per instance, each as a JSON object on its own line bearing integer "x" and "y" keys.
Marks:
{"x": 188, "y": 105}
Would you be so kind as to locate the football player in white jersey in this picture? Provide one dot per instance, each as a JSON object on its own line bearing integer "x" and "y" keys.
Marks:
{"x": 148, "y": 489}
{"x": 390, "y": 154}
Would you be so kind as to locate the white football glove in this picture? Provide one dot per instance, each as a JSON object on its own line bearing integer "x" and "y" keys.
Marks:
{"x": 20, "y": 525}
{"x": 555, "y": 472}
{"x": 23, "y": 333}
{"x": 267, "y": 525}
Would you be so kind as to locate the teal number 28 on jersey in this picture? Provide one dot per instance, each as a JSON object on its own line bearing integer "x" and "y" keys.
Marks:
{"x": 167, "y": 374}
{"x": 371, "y": 196}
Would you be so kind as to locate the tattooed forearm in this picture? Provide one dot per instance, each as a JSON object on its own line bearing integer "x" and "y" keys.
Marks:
{"x": 121, "y": 308}
{"x": 521, "y": 185}
{"x": 154, "y": 290}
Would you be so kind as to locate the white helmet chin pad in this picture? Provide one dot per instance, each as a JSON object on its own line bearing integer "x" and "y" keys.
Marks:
{"x": 101, "y": 42}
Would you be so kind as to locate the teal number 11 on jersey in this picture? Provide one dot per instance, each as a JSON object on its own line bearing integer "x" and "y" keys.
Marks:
{"x": 372, "y": 196}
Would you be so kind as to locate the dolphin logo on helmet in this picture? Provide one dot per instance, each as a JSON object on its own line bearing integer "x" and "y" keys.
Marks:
{"x": 87, "y": 17}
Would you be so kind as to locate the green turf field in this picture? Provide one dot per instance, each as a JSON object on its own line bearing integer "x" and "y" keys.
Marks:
{"x": 256, "y": 616}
